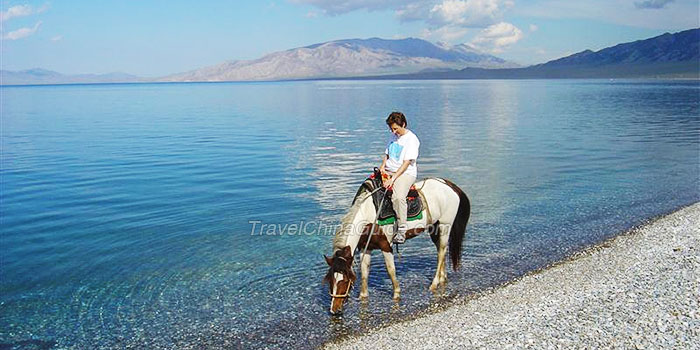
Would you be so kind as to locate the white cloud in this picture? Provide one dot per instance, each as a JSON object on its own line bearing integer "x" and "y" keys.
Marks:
{"x": 57, "y": 38}
{"x": 16, "y": 11}
{"x": 414, "y": 11}
{"x": 652, "y": 4}
{"x": 468, "y": 13}
{"x": 449, "y": 20}
{"x": 495, "y": 38}
{"x": 533, "y": 28}
{"x": 311, "y": 14}
{"x": 445, "y": 33}
{"x": 21, "y": 11}
{"x": 21, "y": 33}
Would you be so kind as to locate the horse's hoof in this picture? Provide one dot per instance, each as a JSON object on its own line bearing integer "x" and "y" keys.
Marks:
{"x": 433, "y": 287}
{"x": 397, "y": 297}
{"x": 364, "y": 295}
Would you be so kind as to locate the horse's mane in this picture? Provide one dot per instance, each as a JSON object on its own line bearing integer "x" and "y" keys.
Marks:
{"x": 341, "y": 236}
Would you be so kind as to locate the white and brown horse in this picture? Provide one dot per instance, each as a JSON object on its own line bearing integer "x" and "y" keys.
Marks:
{"x": 446, "y": 210}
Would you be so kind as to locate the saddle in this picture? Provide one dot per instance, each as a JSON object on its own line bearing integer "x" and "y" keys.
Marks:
{"x": 387, "y": 215}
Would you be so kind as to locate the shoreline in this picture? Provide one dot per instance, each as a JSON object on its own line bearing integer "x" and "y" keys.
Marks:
{"x": 640, "y": 289}
{"x": 147, "y": 82}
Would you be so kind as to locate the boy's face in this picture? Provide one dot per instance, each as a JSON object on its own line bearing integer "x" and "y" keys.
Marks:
{"x": 396, "y": 129}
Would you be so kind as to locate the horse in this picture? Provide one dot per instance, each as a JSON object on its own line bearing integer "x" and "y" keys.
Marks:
{"x": 446, "y": 210}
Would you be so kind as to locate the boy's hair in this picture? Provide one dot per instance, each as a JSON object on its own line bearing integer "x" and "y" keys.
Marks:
{"x": 397, "y": 118}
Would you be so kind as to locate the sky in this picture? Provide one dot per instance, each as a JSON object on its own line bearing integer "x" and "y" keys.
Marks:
{"x": 156, "y": 38}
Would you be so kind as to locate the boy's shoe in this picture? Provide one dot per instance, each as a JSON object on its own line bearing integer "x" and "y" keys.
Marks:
{"x": 400, "y": 236}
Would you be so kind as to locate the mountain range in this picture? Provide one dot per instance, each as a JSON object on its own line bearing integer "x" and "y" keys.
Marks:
{"x": 665, "y": 56}
{"x": 348, "y": 58}
{"x": 43, "y": 76}
{"x": 674, "y": 55}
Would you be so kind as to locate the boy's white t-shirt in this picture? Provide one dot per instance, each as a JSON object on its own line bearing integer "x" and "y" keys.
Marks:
{"x": 402, "y": 148}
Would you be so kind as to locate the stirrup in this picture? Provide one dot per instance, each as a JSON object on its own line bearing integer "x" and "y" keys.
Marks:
{"x": 399, "y": 236}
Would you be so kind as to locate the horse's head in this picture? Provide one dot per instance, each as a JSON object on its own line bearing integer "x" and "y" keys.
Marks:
{"x": 340, "y": 278}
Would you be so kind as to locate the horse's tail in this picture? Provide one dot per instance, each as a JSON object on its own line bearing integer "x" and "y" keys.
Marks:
{"x": 459, "y": 225}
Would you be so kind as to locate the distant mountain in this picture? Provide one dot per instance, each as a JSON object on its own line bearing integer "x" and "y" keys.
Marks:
{"x": 348, "y": 58}
{"x": 665, "y": 56}
{"x": 674, "y": 55}
{"x": 679, "y": 47}
{"x": 43, "y": 76}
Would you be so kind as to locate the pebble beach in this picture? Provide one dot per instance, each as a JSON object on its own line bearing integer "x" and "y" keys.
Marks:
{"x": 639, "y": 290}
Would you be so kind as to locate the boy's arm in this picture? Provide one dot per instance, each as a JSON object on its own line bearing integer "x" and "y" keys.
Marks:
{"x": 381, "y": 167}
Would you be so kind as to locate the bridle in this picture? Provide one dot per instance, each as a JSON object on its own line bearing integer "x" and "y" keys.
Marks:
{"x": 349, "y": 285}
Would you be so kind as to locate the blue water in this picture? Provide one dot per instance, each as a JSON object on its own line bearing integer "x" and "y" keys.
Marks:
{"x": 126, "y": 209}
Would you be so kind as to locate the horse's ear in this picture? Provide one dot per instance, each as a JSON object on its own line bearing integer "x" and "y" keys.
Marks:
{"x": 345, "y": 252}
{"x": 329, "y": 261}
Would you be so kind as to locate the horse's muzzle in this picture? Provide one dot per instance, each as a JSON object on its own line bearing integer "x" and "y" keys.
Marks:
{"x": 337, "y": 313}
{"x": 336, "y": 308}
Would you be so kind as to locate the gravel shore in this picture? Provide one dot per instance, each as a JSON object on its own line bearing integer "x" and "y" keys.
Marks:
{"x": 640, "y": 290}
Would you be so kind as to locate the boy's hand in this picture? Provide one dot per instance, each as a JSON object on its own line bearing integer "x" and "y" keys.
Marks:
{"x": 389, "y": 183}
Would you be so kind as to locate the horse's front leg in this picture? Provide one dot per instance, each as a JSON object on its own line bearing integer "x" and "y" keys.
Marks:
{"x": 366, "y": 259}
{"x": 391, "y": 270}
{"x": 440, "y": 273}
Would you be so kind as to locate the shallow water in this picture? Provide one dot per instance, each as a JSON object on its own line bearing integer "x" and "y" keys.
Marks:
{"x": 126, "y": 209}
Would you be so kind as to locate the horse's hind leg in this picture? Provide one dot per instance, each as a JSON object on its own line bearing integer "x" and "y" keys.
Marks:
{"x": 365, "y": 262}
{"x": 443, "y": 273}
{"x": 440, "y": 241}
{"x": 391, "y": 270}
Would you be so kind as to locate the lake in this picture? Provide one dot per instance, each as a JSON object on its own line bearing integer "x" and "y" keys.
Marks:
{"x": 128, "y": 209}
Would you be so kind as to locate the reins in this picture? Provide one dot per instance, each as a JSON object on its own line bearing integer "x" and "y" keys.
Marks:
{"x": 376, "y": 221}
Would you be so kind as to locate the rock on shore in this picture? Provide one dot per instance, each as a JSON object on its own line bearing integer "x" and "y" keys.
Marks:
{"x": 640, "y": 290}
